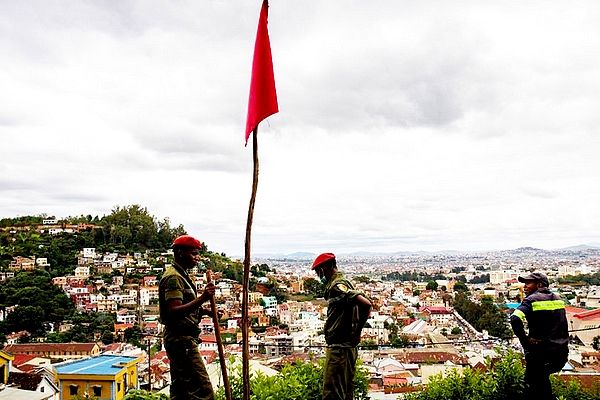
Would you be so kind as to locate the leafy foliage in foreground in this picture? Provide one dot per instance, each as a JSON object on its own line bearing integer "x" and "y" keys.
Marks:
{"x": 504, "y": 381}
{"x": 303, "y": 381}
{"x": 298, "y": 381}
{"x": 143, "y": 395}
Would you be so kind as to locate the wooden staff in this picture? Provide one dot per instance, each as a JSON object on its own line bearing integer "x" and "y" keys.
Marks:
{"x": 213, "y": 306}
{"x": 245, "y": 286}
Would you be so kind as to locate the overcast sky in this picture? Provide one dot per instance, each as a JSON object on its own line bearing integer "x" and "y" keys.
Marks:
{"x": 403, "y": 125}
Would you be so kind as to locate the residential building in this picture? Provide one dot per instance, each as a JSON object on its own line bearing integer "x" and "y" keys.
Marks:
{"x": 22, "y": 263}
{"x": 501, "y": 276}
{"x": 55, "y": 350}
{"x": 583, "y": 322}
{"x": 5, "y": 361}
{"x": 107, "y": 377}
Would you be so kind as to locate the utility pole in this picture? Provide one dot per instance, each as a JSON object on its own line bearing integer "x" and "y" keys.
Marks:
{"x": 149, "y": 363}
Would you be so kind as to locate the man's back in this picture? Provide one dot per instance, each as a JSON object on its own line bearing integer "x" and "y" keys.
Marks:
{"x": 546, "y": 317}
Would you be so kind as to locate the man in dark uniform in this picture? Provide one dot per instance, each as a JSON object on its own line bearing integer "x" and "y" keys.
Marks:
{"x": 546, "y": 347}
{"x": 347, "y": 313}
{"x": 180, "y": 313}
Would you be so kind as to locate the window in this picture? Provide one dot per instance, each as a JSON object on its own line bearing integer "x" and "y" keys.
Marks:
{"x": 97, "y": 390}
{"x": 118, "y": 387}
{"x": 73, "y": 390}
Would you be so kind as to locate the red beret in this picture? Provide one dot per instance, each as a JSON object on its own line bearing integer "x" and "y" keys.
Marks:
{"x": 322, "y": 258}
{"x": 187, "y": 241}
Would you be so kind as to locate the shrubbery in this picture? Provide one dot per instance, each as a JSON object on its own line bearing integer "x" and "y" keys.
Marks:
{"x": 298, "y": 381}
{"x": 303, "y": 381}
{"x": 503, "y": 381}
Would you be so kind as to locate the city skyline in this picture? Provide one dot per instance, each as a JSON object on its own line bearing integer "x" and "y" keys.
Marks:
{"x": 402, "y": 127}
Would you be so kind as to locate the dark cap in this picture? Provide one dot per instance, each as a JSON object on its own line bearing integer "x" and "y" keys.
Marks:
{"x": 537, "y": 277}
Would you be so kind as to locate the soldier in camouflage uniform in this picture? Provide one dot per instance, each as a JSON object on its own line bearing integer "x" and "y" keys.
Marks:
{"x": 180, "y": 312}
{"x": 347, "y": 313}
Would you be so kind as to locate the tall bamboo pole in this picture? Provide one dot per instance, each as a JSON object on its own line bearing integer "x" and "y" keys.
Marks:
{"x": 222, "y": 361}
{"x": 245, "y": 286}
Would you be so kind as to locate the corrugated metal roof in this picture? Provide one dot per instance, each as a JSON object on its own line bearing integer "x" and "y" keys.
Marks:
{"x": 101, "y": 365}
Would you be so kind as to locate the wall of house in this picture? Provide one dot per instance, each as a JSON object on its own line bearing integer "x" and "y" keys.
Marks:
{"x": 87, "y": 384}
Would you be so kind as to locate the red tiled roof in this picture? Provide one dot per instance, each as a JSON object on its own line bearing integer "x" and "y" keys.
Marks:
{"x": 160, "y": 355}
{"x": 27, "y": 368}
{"x": 436, "y": 310}
{"x": 21, "y": 348}
{"x": 591, "y": 354}
{"x": 590, "y": 314}
{"x": 210, "y": 355}
{"x": 208, "y": 338}
{"x": 437, "y": 357}
{"x": 574, "y": 310}
{"x": 122, "y": 327}
{"x": 394, "y": 380}
{"x": 21, "y": 359}
{"x": 113, "y": 347}
{"x": 586, "y": 381}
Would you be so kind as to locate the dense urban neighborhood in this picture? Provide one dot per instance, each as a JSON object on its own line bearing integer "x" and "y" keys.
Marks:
{"x": 79, "y": 311}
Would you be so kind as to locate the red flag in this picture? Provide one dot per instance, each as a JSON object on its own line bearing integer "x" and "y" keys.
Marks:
{"x": 263, "y": 97}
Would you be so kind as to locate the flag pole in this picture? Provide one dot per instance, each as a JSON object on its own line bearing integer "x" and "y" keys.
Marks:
{"x": 245, "y": 319}
{"x": 262, "y": 102}
{"x": 222, "y": 361}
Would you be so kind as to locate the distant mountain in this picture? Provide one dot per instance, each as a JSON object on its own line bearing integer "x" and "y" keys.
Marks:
{"x": 362, "y": 254}
{"x": 301, "y": 255}
{"x": 528, "y": 250}
{"x": 582, "y": 247}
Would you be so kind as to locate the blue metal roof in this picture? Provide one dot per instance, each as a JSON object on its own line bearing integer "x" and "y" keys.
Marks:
{"x": 100, "y": 365}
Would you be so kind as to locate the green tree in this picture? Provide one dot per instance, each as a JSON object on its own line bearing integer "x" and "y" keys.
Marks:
{"x": 108, "y": 337}
{"x": 400, "y": 341}
{"x": 133, "y": 335}
{"x": 38, "y": 302}
{"x": 314, "y": 287}
{"x": 460, "y": 287}
{"x": 484, "y": 315}
{"x": 29, "y": 318}
{"x": 431, "y": 285}
{"x": 362, "y": 279}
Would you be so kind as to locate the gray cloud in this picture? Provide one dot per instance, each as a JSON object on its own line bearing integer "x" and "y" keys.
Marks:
{"x": 402, "y": 124}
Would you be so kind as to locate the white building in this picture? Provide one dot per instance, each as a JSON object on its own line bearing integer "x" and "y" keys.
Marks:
{"x": 501, "y": 276}
{"x": 89, "y": 252}
{"x": 147, "y": 294}
{"x": 126, "y": 318}
{"x": 42, "y": 262}
{"x": 82, "y": 272}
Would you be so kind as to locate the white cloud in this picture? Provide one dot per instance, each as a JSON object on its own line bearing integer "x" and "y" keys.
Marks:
{"x": 402, "y": 126}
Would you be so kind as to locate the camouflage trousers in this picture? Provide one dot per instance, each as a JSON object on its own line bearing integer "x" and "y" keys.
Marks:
{"x": 338, "y": 377}
{"x": 189, "y": 379}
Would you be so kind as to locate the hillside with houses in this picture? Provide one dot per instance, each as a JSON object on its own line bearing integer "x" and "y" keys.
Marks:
{"x": 86, "y": 288}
